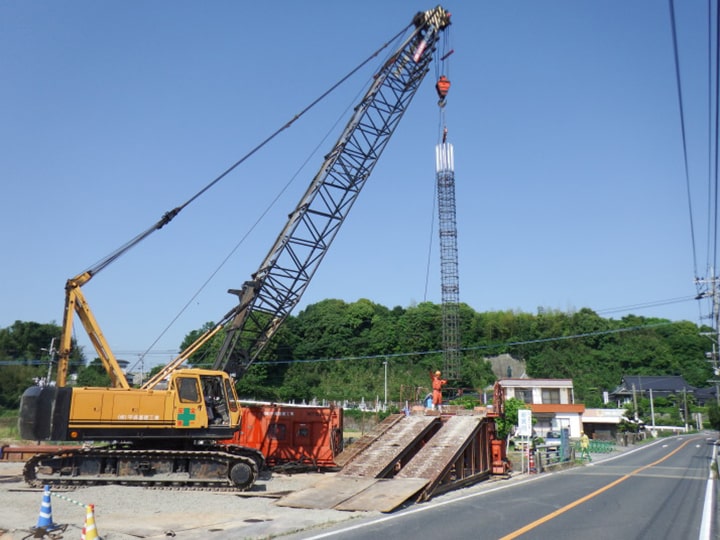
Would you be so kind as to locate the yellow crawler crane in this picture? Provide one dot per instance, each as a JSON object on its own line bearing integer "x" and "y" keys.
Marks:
{"x": 168, "y": 432}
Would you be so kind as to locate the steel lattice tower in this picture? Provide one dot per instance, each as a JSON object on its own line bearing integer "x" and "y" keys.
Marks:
{"x": 450, "y": 281}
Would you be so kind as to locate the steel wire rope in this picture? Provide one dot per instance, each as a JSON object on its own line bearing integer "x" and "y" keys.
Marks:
{"x": 430, "y": 243}
{"x": 656, "y": 303}
{"x": 709, "y": 131}
{"x": 274, "y": 201}
{"x": 717, "y": 85}
{"x": 169, "y": 215}
{"x": 441, "y": 67}
{"x": 683, "y": 132}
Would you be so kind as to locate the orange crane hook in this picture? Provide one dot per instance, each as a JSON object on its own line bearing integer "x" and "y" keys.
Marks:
{"x": 442, "y": 87}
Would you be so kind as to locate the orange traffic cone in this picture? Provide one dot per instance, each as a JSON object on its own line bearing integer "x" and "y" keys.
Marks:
{"x": 89, "y": 531}
{"x": 531, "y": 463}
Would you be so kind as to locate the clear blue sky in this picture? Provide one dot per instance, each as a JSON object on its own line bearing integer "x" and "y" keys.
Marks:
{"x": 570, "y": 181}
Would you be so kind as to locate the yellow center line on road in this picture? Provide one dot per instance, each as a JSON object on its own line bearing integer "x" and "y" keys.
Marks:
{"x": 589, "y": 496}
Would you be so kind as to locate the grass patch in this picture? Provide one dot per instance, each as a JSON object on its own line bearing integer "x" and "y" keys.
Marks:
{"x": 9, "y": 428}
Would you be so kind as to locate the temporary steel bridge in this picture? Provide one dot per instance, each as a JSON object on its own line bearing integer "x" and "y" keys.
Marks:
{"x": 405, "y": 458}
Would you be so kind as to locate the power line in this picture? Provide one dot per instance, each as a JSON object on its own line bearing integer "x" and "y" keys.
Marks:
{"x": 683, "y": 131}
{"x": 644, "y": 305}
{"x": 491, "y": 346}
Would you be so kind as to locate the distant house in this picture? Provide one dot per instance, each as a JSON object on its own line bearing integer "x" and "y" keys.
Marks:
{"x": 602, "y": 424}
{"x": 552, "y": 402}
{"x": 635, "y": 386}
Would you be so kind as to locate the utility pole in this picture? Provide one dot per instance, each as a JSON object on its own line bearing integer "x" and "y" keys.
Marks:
{"x": 713, "y": 356}
{"x": 652, "y": 410}
{"x": 385, "y": 363}
{"x": 635, "y": 403}
{"x": 51, "y": 358}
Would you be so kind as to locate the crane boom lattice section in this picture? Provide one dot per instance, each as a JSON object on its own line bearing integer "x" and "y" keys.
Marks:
{"x": 275, "y": 289}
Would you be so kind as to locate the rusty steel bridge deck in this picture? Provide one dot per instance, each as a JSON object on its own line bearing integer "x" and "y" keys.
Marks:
{"x": 415, "y": 456}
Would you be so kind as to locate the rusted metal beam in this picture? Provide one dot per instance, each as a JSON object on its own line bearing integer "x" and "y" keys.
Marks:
{"x": 23, "y": 453}
{"x": 359, "y": 446}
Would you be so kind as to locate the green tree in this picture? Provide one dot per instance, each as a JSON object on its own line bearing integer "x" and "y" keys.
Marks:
{"x": 714, "y": 416}
{"x": 93, "y": 375}
{"x": 504, "y": 425}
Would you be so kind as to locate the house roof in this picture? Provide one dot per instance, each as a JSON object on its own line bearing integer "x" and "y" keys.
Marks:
{"x": 603, "y": 416}
{"x": 659, "y": 383}
{"x": 536, "y": 383}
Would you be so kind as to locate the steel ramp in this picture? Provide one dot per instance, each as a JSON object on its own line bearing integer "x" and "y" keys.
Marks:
{"x": 394, "y": 446}
{"x": 349, "y": 453}
{"x": 458, "y": 454}
{"x": 432, "y": 456}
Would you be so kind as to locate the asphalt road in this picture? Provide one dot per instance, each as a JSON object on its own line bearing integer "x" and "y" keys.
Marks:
{"x": 656, "y": 491}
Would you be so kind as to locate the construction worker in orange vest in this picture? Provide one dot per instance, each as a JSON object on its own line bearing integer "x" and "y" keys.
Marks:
{"x": 437, "y": 384}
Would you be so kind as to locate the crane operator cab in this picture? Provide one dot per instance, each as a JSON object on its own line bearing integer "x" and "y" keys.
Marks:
{"x": 216, "y": 400}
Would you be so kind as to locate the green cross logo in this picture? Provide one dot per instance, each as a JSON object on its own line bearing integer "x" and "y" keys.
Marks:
{"x": 185, "y": 416}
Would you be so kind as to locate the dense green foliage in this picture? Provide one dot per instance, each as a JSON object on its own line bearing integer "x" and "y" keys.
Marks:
{"x": 24, "y": 357}
{"x": 334, "y": 350}
{"x": 506, "y": 424}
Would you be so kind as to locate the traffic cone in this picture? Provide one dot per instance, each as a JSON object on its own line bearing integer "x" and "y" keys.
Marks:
{"x": 531, "y": 463}
{"x": 89, "y": 531}
{"x": 45, "y": 518}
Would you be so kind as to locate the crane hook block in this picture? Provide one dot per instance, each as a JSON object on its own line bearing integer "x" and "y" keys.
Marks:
{"x": 442, "y": 87}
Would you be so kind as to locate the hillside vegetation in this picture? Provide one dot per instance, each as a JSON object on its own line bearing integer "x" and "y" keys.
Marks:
{"x": 335, "y": 351}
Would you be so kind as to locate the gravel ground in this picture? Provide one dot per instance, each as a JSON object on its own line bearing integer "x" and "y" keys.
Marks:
{"x": 129, "y": 513}
{"x": 125, "y": 513}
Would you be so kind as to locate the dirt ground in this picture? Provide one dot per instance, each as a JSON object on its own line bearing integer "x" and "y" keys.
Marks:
{"x": 125, "y": 513}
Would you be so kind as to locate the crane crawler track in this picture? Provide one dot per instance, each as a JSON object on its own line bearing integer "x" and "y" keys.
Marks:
{"x": 213, "y": 468}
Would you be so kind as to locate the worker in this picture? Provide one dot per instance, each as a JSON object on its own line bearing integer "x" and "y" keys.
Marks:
{"x": 437, "y": 384}
{"x": 584, "y": 446}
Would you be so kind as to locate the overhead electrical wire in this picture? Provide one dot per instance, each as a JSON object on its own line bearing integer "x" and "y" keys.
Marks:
{"x": 715, "y": 149}
{"x": 644, "y": 305}
{"x": 490, "y": 346}
{"x": 683, "y": 133}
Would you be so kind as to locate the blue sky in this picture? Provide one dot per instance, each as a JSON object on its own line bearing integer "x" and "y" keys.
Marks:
{"x": 570, "y": 180}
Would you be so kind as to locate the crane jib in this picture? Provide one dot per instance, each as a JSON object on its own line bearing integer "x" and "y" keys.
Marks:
{"x": 291, "y": 262}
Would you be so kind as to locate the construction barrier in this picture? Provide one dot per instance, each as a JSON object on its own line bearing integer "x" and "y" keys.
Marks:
{"x": 45, "y": 519}
{"x": 531, "y": 463}
{"x": 89, "y": 531}
{"x": 46, "y": 525}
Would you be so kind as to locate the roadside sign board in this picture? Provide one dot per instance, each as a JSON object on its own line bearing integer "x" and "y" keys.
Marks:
{"x": 524, "y": 422}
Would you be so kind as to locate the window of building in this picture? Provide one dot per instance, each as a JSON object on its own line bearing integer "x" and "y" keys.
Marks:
{"x": 524, "y": 395}
{"x": 551, "y": 395}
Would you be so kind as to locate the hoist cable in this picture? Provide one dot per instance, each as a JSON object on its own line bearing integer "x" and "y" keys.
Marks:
{"x": 168, "y": 216}
{"x": 252, "y": 228}
{"x": 277, "y": 197}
